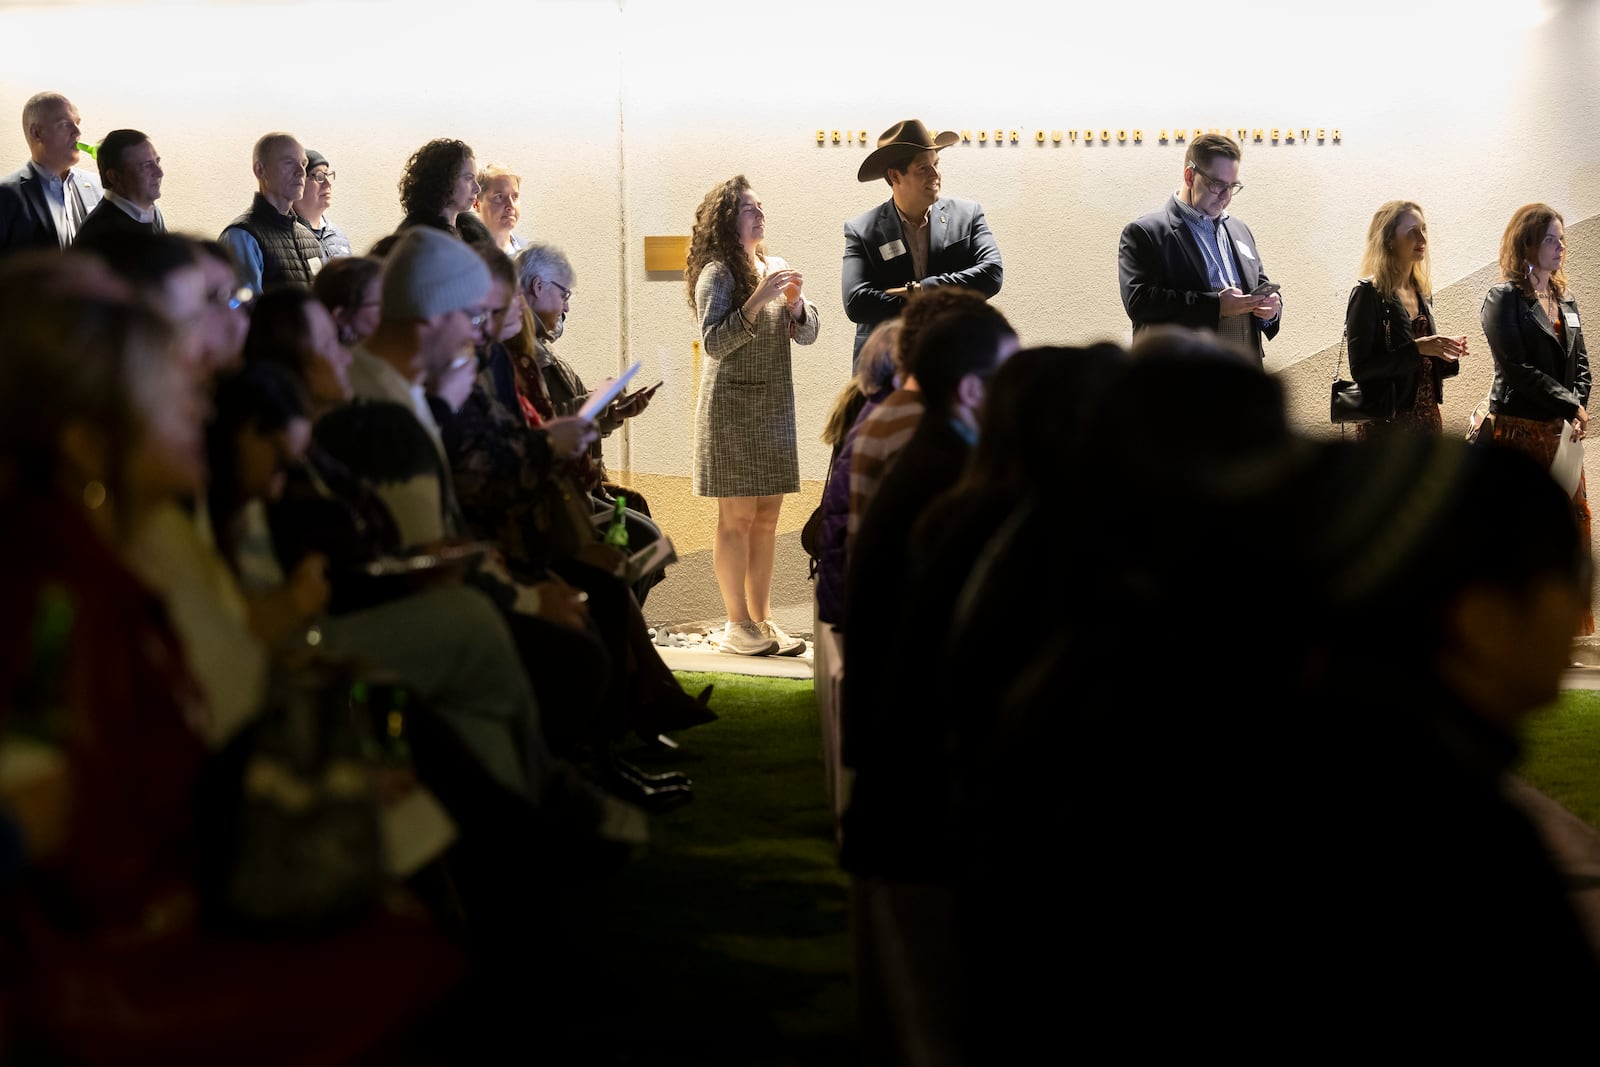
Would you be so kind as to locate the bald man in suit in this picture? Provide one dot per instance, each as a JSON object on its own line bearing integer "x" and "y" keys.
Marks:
{"x": 43, "y": 204}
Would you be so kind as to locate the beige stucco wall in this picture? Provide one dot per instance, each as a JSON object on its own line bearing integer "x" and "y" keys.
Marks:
{"x": 620, "y": 115}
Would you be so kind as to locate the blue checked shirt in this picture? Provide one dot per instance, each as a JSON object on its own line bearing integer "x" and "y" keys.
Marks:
{"x": 1214, "y": 246}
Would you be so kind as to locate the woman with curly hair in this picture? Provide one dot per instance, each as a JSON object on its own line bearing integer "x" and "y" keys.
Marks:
{"x": 750, "y": 306}
{"x": 440, "y": 182}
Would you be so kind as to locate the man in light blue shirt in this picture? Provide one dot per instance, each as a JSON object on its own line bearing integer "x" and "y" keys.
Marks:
{"x": 1193, "y": 264}
{"x": 43, "y": 204}
{"x": 271, "y": 243}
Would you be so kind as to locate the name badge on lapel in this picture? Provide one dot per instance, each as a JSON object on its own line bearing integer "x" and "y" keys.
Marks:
{"x": 1244, "y": 249}
{"x": 1571, "y": 318}
{"x": 893, "y": 249}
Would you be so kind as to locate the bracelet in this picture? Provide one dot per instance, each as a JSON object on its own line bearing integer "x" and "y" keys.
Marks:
{"x": 749, "y": 327}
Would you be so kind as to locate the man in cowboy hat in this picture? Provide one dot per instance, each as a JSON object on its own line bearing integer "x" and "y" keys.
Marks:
{"x": 917, "y": 239}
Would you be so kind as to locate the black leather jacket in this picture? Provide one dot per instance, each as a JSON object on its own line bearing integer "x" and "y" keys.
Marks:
{"x": 1538, "y": 374}
{"x": 1383, "y": 347}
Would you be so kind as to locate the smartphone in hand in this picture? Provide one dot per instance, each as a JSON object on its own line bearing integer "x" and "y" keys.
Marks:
{"x": 1265, "y": 289}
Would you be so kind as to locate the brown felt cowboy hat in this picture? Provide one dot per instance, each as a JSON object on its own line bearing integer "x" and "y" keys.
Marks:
{"x": 899, "y": 141}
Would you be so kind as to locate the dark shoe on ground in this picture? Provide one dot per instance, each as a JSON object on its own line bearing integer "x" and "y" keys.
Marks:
{"x": 651, "y": 798}
{"x": 645, "y": 778}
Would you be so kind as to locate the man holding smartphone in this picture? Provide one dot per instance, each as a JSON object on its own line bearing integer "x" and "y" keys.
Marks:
{"x": 1193, "y": 264}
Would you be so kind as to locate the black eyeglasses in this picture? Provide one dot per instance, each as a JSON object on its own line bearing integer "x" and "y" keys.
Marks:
{"x": 566, "y": 294}
{"x": 323, "y": 177}
{"x": 1219, "y": 187}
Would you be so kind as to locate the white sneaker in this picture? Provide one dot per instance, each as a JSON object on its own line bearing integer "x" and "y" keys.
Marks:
{"x": 746, "y": 639}
{"x": 787, "y": 646}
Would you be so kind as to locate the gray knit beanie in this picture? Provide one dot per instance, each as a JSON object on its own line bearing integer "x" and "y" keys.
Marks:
{"x": 428, "y": 273}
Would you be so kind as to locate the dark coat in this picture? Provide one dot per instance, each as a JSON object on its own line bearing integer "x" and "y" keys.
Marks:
{"x": 898, "y": 824}
{"x": 109, "y": 220}
{"x": 1537, "y": 375}
{"x": 1163, "y": 275}
{"x": 1382, "y": 348}
{"x": 961, "y": 251}
{"x": 25, "y": 219}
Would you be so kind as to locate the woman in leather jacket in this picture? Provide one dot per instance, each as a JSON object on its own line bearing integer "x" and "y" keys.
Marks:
{"x": 1396, "y": 352}
{"x": 1541, "y": 366}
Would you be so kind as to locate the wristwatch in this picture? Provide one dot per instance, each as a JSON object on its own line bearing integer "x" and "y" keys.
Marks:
{"x": 912, "y": 287}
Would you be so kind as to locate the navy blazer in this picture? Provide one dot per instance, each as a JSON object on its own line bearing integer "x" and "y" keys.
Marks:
{"x": 1537, "y": 375}
{"x": 1163, "y": 274}
{"x": 961, "y": 251}
{"x": 25, "y": 218}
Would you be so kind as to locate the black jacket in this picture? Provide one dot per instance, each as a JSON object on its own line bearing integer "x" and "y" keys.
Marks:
{"x": 107, "y": 220}
{"x": 1537, "y": 374}
{"x": 1162, "y": 273}
{"x": 1382, "y": 348}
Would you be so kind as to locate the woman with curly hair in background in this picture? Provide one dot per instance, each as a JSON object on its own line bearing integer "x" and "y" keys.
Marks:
{"x": 749, "y": 306}
{"x": 440, "y": 182}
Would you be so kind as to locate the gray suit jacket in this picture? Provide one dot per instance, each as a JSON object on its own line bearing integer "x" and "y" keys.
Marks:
{"x": 25, "y": 219}
{"x": 961, "y": 251}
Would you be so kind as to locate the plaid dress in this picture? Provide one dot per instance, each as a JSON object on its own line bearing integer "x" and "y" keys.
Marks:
{"x": 744, "y": 433}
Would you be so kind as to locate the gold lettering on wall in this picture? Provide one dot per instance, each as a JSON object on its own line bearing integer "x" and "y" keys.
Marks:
{"x": 1105, "y": 135}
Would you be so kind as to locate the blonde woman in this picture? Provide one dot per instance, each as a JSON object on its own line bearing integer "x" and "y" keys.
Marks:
{"x": 750, "y": 306}
{"x": 1396, "y": 352}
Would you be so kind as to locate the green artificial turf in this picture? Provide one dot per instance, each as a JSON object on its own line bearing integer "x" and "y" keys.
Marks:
{"x": 1562, "y": 753}
{"x": 727, "y": 937}
{"x": 735, "y": 915}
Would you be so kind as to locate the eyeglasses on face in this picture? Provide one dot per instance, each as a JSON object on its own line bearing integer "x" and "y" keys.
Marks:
{"x": 323, "y": 177}
{"x": 1218, "y": 187}
{"x": 566, "y": 294}
{"x": 230, "y": 298}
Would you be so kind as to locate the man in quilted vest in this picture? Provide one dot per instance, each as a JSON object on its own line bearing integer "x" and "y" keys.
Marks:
{"x": 270, "y": 241}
